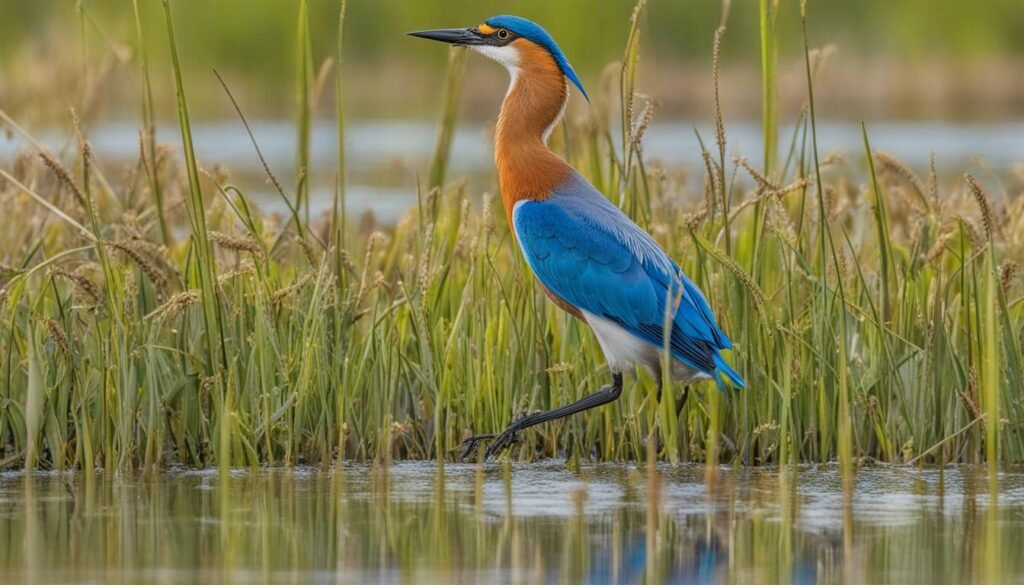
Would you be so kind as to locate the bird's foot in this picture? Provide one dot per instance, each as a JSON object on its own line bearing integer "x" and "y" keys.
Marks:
{"x": 470, "y": 444}
{"x": 502, "y": 441}
{"x": 506, "y": 439}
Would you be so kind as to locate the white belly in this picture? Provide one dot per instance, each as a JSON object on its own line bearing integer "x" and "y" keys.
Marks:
{"x": 623, "y": 350}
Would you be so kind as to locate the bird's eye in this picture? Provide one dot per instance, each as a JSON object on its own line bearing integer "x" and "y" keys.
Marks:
{"x": 503, "y": 34}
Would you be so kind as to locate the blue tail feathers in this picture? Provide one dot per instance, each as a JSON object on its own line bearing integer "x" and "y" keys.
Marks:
{"x": 721, "y": 367}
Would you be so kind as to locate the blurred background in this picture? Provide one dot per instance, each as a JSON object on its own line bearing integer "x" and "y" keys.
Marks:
{"x": 926, "y": 75}
{"x": 906, "y": 58}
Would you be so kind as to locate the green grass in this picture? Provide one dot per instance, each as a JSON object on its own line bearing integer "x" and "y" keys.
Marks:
{"x": 873, "y": 320}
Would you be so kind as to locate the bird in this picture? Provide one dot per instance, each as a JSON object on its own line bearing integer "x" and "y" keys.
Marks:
{"x": 589, "y": 257}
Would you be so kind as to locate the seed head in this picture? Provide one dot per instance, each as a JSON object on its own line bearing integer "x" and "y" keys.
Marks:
{"x": 176, "y": 305}
{"x": 149, "y": 268}
{"x": 241, "y": 244}
{"x": 83, "y": 286}
{"x": 984, "y": 204}
{"x": 1007, "y": 273}
{"x": 64, "y": 177}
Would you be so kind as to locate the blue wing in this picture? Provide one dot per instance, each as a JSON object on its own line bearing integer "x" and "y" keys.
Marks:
{"x": 586, "y": 251}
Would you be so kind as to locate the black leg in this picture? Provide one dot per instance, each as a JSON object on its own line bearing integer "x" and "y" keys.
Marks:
{"x": 682, "y": 400}
{"x": 509, "y": 435}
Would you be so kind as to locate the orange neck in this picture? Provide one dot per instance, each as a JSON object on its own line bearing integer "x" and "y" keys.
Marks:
{"x": 527, "y": 169}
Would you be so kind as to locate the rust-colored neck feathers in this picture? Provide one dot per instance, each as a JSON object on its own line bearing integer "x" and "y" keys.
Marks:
{"x": 527, "y": 169}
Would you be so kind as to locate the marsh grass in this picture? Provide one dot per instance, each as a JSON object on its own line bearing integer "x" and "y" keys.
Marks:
{"x": 870, "y": 320}
{"x": 449, "y": 117}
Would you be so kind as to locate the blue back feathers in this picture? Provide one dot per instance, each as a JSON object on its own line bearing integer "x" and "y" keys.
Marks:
{"x": 534, "y": 32}
{"x": 586, "y": 251}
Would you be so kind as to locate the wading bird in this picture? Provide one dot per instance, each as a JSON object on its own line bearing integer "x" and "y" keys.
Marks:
{"x": 589, "y": 257}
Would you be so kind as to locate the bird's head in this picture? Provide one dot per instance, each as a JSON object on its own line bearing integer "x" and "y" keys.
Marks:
{"x": 509, "y": 40}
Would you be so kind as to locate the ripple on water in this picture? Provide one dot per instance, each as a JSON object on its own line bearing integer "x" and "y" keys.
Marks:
{"x": 417, "y": 522}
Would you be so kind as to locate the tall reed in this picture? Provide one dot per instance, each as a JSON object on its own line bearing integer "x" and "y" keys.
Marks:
{"x": 304, "y": 114}
{"x": 446, "y": 132}
{"x": 215, "y": 378}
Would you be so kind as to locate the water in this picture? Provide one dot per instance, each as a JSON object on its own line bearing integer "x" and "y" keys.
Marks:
{"x": 534, "y": 523}
{"x": 385, "y": 157}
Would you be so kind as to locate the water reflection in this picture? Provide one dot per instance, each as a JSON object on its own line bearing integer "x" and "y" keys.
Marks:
{"x": 415, "y": 523}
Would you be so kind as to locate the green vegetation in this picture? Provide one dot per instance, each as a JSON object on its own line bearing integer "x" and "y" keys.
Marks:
{"x": 678, "y": 30}
{"x": 879, "y": 321}
{"x": 905, "y": 51}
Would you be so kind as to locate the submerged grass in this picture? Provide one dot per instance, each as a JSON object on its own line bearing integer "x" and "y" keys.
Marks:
{"x": 871, "y": 319}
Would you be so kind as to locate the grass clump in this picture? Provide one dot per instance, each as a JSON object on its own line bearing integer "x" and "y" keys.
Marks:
{"x": 872, "y": 320}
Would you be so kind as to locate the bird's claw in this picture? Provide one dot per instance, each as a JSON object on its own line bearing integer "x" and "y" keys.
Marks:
{"x": 471, "y": 443}
{"x": 506, "y": 439}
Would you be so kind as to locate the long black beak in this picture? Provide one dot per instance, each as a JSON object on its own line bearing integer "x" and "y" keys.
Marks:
{"x": 455, "y": 36}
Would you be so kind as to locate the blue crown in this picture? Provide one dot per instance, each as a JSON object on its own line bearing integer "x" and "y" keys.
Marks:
{"x": 534, "y": 32}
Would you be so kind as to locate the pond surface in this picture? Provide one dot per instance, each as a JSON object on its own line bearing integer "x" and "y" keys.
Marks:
{"x": 385, "y": 157}
{"x": 531, "y": 523}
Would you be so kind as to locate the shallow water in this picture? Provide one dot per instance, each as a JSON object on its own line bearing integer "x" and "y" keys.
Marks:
{"x": 385, "y": 157}
{"x": 536, "y": 523}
